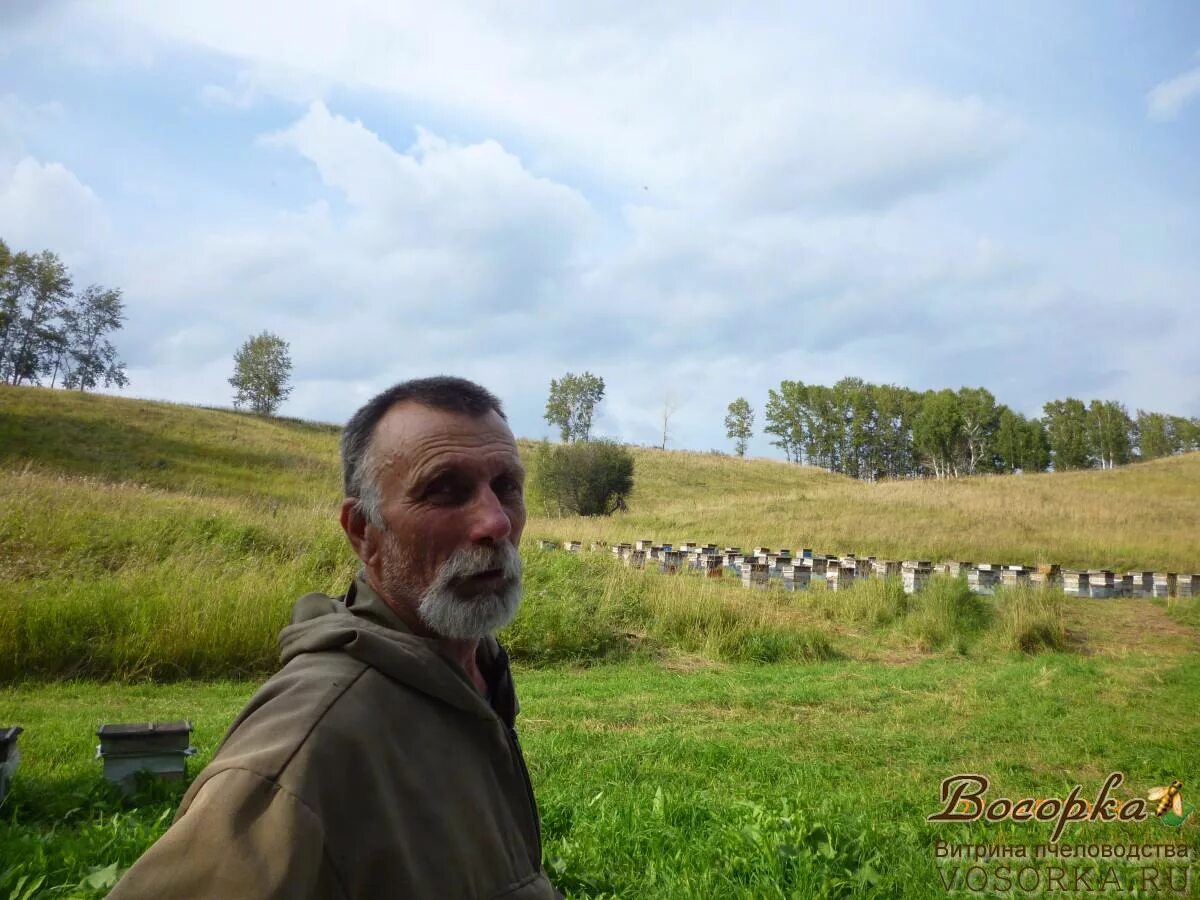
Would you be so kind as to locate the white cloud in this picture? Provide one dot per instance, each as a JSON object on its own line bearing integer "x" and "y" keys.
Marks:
{"x": 251, "y": 86}
{"x": 45, "y": 206}
{"x": 1165, "y": 101}
{"x": 704, "y": 109}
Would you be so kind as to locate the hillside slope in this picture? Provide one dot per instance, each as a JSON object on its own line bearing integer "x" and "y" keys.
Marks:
{"x": 1139, "y": 516}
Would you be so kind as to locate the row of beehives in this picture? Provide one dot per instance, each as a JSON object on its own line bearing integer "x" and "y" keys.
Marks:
{"x": 160, "y": 749}
{"x": 798, "y": 572}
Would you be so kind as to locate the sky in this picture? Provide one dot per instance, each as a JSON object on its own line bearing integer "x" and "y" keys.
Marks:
{"x": 692, "y": 200}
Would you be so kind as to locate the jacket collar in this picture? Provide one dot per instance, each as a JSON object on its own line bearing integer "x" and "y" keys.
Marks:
{"x": 365, "y": 603}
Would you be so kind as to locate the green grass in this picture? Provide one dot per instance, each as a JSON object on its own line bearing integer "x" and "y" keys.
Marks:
{"x": 731, "y": 781}
{"x": 140, "y": 622}
{"x": 688, "y": 738}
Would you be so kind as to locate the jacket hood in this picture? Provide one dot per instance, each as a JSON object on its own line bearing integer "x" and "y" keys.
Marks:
{"x": 363, "y": 626}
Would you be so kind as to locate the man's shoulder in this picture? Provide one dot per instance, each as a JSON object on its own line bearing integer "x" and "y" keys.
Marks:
{"x": 286, "y": 710}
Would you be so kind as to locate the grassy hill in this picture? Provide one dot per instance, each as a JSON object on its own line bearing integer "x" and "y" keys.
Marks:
{"x": 144, "y": 542}
{"x": 147, "y": 539}
{"x": 147, "y": 454}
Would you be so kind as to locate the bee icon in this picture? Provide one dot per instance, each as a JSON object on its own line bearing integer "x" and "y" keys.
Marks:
{"x": 1169, "y": 798}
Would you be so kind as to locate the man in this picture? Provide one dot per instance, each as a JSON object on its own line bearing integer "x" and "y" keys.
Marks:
{"x": 381, "y": 760}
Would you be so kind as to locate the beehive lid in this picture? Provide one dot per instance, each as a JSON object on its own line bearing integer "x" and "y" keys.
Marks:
{"x": 8, "y": 742}
{"x": 144, "y": 737}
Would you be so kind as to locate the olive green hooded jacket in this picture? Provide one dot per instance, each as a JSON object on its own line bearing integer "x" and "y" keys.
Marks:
{"x": 369, "y": 766}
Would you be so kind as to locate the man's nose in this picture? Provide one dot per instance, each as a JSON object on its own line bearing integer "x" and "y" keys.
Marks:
{"x": 490, "y": 518}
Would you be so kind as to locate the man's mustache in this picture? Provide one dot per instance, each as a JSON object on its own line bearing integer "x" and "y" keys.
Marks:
{"x": 476, "y": 560}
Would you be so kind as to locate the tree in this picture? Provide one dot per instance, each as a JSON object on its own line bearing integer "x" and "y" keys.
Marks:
{"x": 48, "y": 331}
{"x": 1020, "y": 443}
{"x": 670, "y": 405}
{"x": 784, "y": 418}
{"x": 1108, "y": 430}
{"x": 739, "y": 420}
{"x": 1067, "y": 429}
{"x": 588, "y": 478}
{"x": 90, "y": 358}
{"x": 980, "y": 418}
{"x": 261, "y": 369}
{"x": 1154, "y": 435}
{"x": 37, "y": 291}
{"x": 572, "y": 403}
{"x": 938, "y": 432}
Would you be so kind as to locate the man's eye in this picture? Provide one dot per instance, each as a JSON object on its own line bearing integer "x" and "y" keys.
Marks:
{"x": 508, "y": 486}
{"x": 444, "y": 491}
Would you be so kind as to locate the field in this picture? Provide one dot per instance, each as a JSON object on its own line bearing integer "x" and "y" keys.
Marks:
{"x": 686, "y": 738}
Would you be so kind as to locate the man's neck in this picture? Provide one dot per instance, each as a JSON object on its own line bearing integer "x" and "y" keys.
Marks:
{"x": 459, "y": 652}
{"x": 462, "y": 654}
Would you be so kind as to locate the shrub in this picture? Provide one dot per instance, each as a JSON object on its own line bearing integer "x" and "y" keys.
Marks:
{"x": 586, "y": 478}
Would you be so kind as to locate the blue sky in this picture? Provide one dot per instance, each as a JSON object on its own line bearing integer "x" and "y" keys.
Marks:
{"x": 689, "y": 200}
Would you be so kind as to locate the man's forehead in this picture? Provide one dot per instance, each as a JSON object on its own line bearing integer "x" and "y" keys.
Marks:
{"x": 411, "y": 434}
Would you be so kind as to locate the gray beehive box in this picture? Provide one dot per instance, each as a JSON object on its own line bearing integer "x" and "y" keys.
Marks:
{"x": 796, "y": 577}
{"x": 159, "y": 748}
{"x": 9, "y": 757}
{"x": 670, "y": 562}
{"x": 754, "y": 575}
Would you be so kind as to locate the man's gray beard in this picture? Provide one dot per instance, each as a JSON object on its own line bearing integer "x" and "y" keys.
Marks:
{"x": 449, "y": 614}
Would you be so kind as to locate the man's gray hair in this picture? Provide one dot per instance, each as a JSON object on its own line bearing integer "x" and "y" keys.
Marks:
{"x": 360, "y": 472}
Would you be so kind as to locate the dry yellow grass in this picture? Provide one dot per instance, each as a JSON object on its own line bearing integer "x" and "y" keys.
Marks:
{"x": 1141, "y": 516}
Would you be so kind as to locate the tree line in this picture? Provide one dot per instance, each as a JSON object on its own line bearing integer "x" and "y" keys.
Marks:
{"x": 52, "y": 333}
{"x": 874, "y": 431}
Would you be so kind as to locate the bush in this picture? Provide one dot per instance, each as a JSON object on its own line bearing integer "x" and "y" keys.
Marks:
{"x": 586, "y": 478}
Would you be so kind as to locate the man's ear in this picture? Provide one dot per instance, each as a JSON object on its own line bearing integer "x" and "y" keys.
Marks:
{"x": 363, "y": 537}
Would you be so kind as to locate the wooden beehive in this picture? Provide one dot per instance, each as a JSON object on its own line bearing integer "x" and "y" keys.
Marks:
{"x": 9, "y": 757}
{"x": 158, "y": 748}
